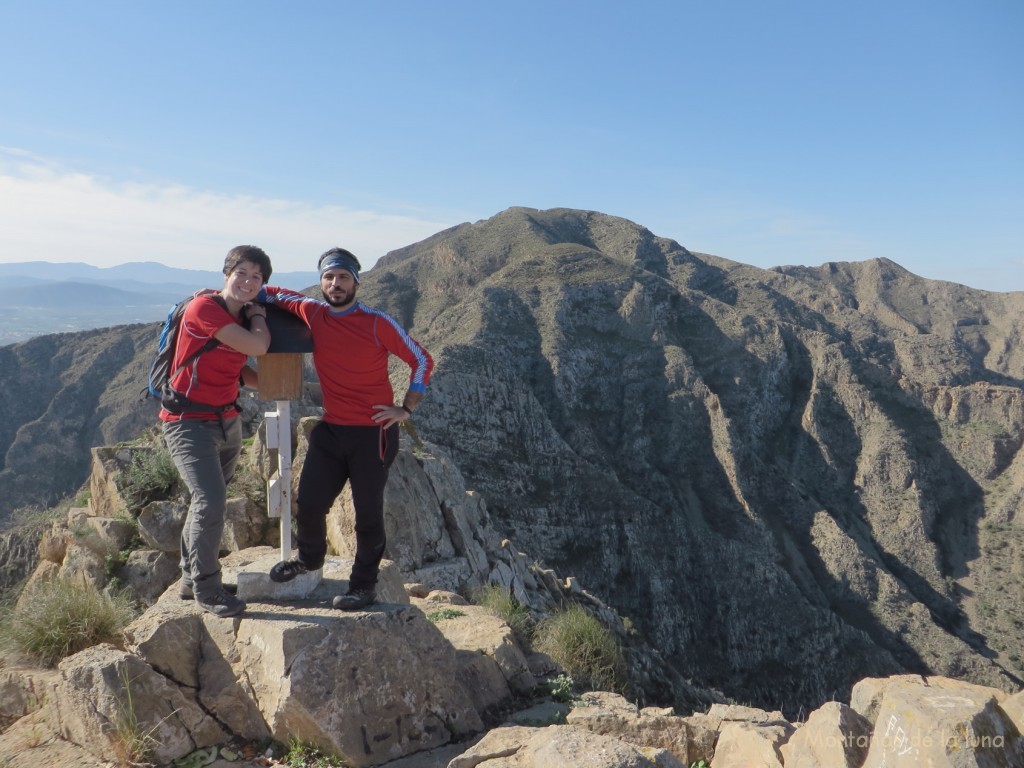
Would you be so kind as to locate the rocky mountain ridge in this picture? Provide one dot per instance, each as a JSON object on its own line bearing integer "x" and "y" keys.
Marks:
{"x": 787, "y": 479}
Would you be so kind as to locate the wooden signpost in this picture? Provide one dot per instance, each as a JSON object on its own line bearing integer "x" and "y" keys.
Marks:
{"x": 281, "y": 380}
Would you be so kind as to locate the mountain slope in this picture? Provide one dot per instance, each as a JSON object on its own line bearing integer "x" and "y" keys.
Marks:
{"x": 762, "y": 468}
{"x": 63, "y": 394}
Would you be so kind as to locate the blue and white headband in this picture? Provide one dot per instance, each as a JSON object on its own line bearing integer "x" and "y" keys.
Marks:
{"x": 341, "y": 261}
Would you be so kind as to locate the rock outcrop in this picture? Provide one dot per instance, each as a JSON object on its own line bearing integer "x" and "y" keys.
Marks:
{"x": 423, "y": 678}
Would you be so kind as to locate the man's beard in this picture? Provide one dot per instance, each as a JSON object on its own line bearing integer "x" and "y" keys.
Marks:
{"x": 346, "y": 300}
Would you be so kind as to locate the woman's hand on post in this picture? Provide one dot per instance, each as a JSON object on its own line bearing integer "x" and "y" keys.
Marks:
{"x": 252, "y": 309}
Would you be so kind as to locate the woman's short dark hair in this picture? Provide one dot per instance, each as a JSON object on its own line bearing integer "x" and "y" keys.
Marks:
{"x": 241, "y": 253}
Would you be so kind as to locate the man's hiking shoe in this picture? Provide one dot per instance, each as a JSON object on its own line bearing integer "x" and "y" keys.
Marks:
{"x": 185, "y": 590}
{"x": 221, "y": 603}
{"x": 287, "y": 570}
{"x": 355, "y": 599}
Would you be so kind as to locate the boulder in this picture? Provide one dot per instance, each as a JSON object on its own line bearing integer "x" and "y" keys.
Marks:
{"x": 31, "y": 743}
{"x": 478, "y": 631}
{"x": 834, "y": 736}
{"x": 557, "y": 746}
{"x": 44, "y": 573}
{"x": 610, "y": 714}
{"x": 867, "y": 694}
{"x": 82, "y": 565}
{"x": 24, "y": 690}
{"x": 107, "y": 699}
{"x": 110, "y": 534}
{"x": 244, "y": 525}
{"x": 104, "y": 495}
{"x": 742, "y": 744}
{"x": 943, "y": 723}
{"x": 53, "y": 545}
{"x": 1013, "y": 706}
{"x": 160, "y": 524}
{"x": 370, "y": 687}
{"x": 149, "y": 572}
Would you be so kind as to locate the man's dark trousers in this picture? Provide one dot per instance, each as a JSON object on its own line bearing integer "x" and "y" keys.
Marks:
{"x": 338, "y": 454}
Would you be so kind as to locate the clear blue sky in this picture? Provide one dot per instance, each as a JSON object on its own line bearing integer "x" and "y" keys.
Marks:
{"x": 767, "y": 132}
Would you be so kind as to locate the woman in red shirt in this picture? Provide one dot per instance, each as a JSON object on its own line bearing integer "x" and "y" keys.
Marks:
{"x": 201, "y": 425}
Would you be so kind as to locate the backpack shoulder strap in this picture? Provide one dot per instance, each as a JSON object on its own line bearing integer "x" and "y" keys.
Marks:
{"x": 210, "y": 343}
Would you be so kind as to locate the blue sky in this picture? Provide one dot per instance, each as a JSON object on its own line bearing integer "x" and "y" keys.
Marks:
{"x": 764, "y": 132}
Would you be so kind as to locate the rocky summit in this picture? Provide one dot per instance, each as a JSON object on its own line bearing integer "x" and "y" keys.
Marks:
{"x": 787, "y": 480}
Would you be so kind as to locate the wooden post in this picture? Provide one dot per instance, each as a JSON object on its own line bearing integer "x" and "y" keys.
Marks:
{"x": 281, "y": 380}
{"x": 280, "y": 376}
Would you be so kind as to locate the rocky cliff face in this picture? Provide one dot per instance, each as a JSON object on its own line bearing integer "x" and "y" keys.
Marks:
{"x": 788, "y": 479}
{"x": 62, "y": 395}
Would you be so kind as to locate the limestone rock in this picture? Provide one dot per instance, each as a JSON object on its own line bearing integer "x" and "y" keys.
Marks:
{"x": 612, "y": 715}
{"x": 371, "y": 687}
{"x": 84, "y": 566}
{"x": 149, "y": 572}
{"x": 867, "y": 694}
{"x": 244, "y": 525}
{"x": 943, "y": 723}
{"x": 31, "y": 743}
{"x": 24, "y": 690}
{"x": 160, "y": 524}
{"x": 742, "y": 744}
{"x": 479, "y": 631}
{"x": 44, "y": 573}
{"x": 105, "y": 693}
{"x": 559, "y": 746}
{"x": 112, "y": 534}
{"x": 53, "y": 545}
{"x": 834, "y": 736}
{"x": 497, "y": 749}
{"x": 104, "y": 495}
{"x": 1013, "y": 706}
{"x": 168, "y": 637}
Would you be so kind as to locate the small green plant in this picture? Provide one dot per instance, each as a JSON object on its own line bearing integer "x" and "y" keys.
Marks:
{"x": 113, "y": 562}
{"x": 444, "y": 613}
{"x": 61, "y": 617}
{"x": 502, "y": 604}
{"x": 150, "y": 475}
{"x": 302, "y": 754}
{"x": 584, "y": 648}
{"x": 562, "y": 688}
{"x": 700, "y": 764}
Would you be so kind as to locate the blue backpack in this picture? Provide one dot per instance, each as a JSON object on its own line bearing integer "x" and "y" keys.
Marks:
{"x": 163, "y": 369}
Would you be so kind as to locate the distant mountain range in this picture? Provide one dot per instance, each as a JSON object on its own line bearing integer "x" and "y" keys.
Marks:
{"x": 43, "y": 297}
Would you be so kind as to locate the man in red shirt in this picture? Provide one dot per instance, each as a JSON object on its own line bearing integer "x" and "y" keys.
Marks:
{"x": 357, "y": 438}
